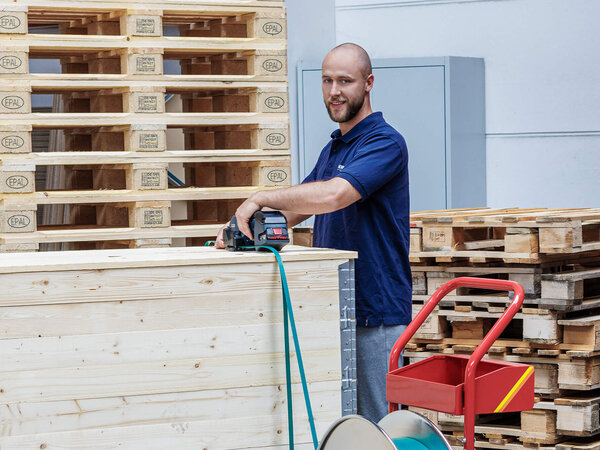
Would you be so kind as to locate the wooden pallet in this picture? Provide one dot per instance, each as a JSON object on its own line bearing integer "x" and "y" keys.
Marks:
{"x": 538, "y": 331}
{"x": 549, "y": 422}
{"x": 509, "y": 235}
{"x": 248, "y": 39}
{"x": 123, "y": 214}
{"x": 229, "y": 19}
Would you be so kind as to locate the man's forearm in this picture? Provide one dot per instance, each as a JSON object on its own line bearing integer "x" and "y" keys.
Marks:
{"x": 305, "y": 199}
{"x": 310, "y": 198}
{"x": 294, "y": 219}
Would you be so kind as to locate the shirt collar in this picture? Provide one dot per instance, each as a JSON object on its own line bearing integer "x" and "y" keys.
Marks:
{"x": 358, "y": 129}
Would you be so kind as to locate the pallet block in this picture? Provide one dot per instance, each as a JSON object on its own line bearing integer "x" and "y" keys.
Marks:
{"x": 17, "y": 219}
{"x": 17, "y": 179}
{"x": 13, "y": 19}
{"x": 141, "y": 23}
{"x": 15, "y": 100}
{"x": 142, "y": 61}
{"x": 15, "y": 138}
{"x": 145, "y": 138}
{"x": 14, "y": 60}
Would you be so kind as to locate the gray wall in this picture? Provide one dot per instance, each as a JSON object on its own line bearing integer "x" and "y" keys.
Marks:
{"x": 311, "y": 34}
{"x": 542, "y": 83}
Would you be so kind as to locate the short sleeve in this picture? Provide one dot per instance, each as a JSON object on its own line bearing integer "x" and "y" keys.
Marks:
{"x": 311, "y": 176}
{"x": 379, "y": 160}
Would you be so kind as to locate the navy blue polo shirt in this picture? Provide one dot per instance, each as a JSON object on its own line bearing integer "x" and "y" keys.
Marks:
{"x": 373, "y": 157}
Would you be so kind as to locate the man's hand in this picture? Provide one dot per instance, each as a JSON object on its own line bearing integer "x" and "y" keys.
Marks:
{"x": 244, "y": 213}
{"x": 219, "y": 243}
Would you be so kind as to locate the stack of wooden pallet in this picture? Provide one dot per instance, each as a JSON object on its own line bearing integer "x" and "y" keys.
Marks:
{"x": 555, "y": 255}
{"x": 222, "y": 67}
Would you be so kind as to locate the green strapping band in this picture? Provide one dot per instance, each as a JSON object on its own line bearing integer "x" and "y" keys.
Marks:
{"x": 288, "y": 312}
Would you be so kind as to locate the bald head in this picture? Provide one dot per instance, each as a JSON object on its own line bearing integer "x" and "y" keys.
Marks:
{"x": 354, "y": 54}
{"x": 347, "y": 80}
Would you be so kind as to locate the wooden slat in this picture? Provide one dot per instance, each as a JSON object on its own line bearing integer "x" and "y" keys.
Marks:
{"x": 213, "y": 277}
{"x": 72, "y": 234}
{"x": 169, "y": 157}
{"x": 50, "y": 82}
{"x": 74, "y": 120}
{"x": 127, "y": 195}
{"x": 71, "y": 415}
{"x": 254, "y": 431}
{"x": 162, "y": 345}
{"x": 150, "y": 377}
{"x": 183, "y": 6}
{"x": 177, "y": 312}
{"x": 21, "y": 263}
{"x": 56, "y": 45}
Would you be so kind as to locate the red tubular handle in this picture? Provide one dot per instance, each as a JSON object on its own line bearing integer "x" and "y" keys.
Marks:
{"x": 480, "y": 351}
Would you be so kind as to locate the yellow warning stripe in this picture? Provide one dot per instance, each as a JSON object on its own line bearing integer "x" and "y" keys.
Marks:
{"x": 515, "y": 389}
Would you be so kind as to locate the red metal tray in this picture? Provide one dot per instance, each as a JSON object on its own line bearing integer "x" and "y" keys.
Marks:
{"x": 437, "y": 383}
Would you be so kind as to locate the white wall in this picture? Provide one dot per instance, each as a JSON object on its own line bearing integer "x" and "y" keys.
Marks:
{"x": 542, "y": 62}
{"x": 311, "y": 34}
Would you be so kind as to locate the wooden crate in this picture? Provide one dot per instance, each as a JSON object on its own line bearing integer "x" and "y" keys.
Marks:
{"x": 164, "y": 347}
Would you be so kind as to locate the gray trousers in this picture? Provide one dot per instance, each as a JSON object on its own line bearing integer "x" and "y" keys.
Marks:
{"x": 373, "y": 348}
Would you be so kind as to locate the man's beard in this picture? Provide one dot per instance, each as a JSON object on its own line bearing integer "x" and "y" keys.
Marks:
{"x": 353, "y": 107}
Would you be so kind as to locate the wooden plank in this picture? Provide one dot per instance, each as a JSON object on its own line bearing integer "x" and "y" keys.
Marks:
{"x": 127, "y": 195}
{"x": 163, "y": 345}
{"x": 68, "y": 120}
{"x": 253, "y": 431}
{"x": 573, "y": 275}
{"x": 57, "y": 44}
{"x": 90, "y": 285}
{"x": 73, "y": 82}
{"x": 47, "y": 261}
{"x": 488, "y": 243}
{"x": 183, "y": 7}
{"x": 573, "y": 445}
{"x": 70, "y": 234}
{"x": 70, "y": 415}
{"x": 150, "y": 377}
{"x": 160, "y": 314}
{"x": 170, "y": 157}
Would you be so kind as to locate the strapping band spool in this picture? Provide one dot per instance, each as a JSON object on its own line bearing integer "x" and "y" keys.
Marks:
{"x": 402, "y": 430}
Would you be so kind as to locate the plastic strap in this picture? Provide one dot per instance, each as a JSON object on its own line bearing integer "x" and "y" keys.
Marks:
{"x": 287, "y": 307}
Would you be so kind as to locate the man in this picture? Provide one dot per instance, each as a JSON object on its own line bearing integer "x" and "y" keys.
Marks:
{"x": 359, "y": 192}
